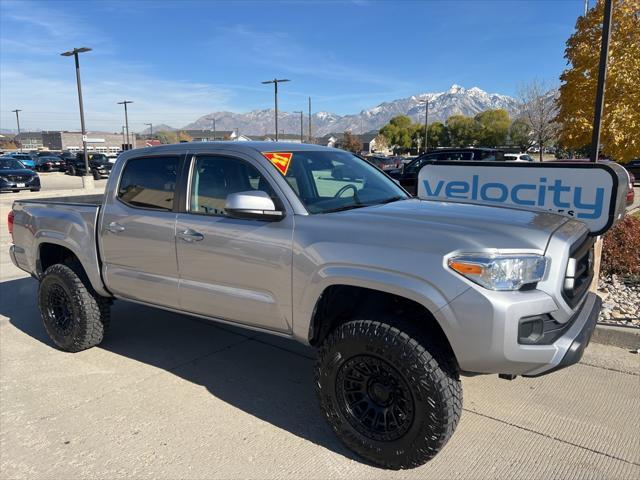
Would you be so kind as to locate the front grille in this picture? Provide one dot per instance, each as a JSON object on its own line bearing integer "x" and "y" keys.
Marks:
{"x": 579, "y": 271}
{"x": 18, "y": 178}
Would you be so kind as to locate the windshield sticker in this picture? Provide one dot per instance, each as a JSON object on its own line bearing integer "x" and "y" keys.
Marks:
{"x": 280, "y": 159}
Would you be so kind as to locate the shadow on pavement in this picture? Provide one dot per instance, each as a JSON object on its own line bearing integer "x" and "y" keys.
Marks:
{"x": 268, "y": 377}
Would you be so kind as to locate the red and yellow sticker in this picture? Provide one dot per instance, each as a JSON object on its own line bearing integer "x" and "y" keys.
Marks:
{"x": 280, "y": 159}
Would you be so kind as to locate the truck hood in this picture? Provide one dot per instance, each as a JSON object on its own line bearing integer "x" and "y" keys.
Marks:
{"x": 456, "y": 226}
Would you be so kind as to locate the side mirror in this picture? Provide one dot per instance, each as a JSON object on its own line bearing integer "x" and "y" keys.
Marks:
{"x": 254, "y": 204}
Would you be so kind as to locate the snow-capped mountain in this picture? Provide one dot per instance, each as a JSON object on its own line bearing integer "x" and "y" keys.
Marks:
{"x": 455, "y": 101}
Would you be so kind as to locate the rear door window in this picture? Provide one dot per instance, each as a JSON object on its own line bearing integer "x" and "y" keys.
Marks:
{"x": 149, "y": 182}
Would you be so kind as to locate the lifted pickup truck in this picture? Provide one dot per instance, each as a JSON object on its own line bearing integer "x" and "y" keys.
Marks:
{"x": 399, "y": 296}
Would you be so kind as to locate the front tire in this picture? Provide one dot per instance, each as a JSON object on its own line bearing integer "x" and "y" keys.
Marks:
{"x": 390, "y": 396}
{"x": 74, "y": 315}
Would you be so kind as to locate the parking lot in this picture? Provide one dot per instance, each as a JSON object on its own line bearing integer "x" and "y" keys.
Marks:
{"x": 166, "y": 396}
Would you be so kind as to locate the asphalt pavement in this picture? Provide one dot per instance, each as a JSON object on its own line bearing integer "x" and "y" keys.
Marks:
{"x": 166, "y": 396}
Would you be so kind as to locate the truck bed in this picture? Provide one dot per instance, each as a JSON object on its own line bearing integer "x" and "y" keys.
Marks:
{"x": 90, "y": 200}
{"x": 45, "y": 225}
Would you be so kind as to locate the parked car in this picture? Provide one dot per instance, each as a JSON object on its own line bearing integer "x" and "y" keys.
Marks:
{"x": 633, "y": 167}
{"x": 99, "y": 165}
{"x": 383, "y": 163}
{"x": 26, "y": 159}
{"x": 400, "y": 296}
{"x": 518, "y": 157}
{"x": 15, "y": 177}
{"x": 50, "y": 163}
{"x": 407, "y": 175}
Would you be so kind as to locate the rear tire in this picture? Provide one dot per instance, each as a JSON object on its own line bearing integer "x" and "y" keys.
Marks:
{"x": 96, "y": 175}
{"x": 74, "y": 315}
{"x": 71, "y": 171}
{"x": 391, "y": 396}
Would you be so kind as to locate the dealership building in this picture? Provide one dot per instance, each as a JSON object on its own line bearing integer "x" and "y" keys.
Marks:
{"x": 98, "y": 142}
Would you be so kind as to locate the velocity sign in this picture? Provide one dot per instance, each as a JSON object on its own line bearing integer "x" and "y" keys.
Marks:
{"x": 587, "y": 192}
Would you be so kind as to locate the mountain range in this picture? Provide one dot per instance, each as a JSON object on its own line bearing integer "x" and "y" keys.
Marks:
{"x": 456, "y": 100}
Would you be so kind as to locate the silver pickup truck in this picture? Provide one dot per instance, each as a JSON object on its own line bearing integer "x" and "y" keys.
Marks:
{"x": 400, "y": 296}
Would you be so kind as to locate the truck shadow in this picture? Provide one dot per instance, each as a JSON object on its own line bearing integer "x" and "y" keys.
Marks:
{"x": 268, "y": 377}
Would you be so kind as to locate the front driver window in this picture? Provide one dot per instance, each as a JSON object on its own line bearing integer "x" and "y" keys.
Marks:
{"x": 215, "y": 177}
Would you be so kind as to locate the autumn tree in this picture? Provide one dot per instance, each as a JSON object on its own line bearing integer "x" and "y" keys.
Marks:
{"x": 166, "y": 136}
{"x": 492, "y": 127}
{"x": 620, "y": 135}
{"x": 184, "y": 137}
{"x": 538, "y": 109}
{"x": 381, "y": 143}
{"x": 351, "y": 143}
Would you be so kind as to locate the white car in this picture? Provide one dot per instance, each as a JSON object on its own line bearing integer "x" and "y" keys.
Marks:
{"x": 518, "y": 157}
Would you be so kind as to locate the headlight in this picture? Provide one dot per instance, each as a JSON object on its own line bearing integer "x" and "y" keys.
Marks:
{"x": 500, "y": 272}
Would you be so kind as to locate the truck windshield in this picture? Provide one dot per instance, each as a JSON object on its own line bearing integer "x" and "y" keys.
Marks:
{"x": 334, "y": 181}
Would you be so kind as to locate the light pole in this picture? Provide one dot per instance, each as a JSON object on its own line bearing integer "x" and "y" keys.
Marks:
{"x": 126, "y": 120}
{"x": 602, "y": 77}
{"x": 16, "y": 111}
{"x": 214, "y": 129}
{"x": 275, "y": 82}
{"x": 301, "y": 125}
{"x": 426, "y": 124}
{"x": 85, "y": 179}
{"x": 150, "y": 125}
{"x": 310, "y": 120}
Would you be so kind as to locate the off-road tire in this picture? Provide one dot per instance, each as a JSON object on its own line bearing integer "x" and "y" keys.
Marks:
{"x": 86, "y": 313}
{"x": 426, "y": 371}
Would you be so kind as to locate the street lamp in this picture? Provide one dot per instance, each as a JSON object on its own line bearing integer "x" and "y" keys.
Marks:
{"x": 150, "y": 125}
{"x": 301, "y": 125}
{"x": 426, "y": 124}
{"x": 310, "y": 120}
{"x": 214, "y": 128}
{"x": 126, "y": 119}
{"x": 275, "y": 82}
{"x": 16, "y": 111}
{"x": 74, "y": 53}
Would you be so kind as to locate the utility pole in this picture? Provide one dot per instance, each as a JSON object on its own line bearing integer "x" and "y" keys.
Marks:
{"x": 301, "y": 125}
{"x": 586, "y": 7}
{"x": 16, "y": 111}
{"x": 150, "y": 125}
{"x": 597, "y": 121}
{"x": 426, "y": 124}
{"x": 123, "y": 139}
{"x": 87, "y": 180}
{"x": 214, "y": 129}
{"x": 602, "y": 79}
{"x": 126, "y": 120}
{"x": 275, "y": 82}
{"x": 310, "y": 120}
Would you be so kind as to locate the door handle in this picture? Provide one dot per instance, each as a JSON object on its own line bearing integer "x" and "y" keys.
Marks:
{"x": 115, "y": 227}
{"x": 190, "y": 235}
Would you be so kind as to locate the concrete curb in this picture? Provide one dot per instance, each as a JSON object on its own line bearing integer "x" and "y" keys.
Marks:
{"x": 623, "y": 337}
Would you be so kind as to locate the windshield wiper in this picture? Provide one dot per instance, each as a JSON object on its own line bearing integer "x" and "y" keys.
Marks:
{"x": 346, "y": 207}
{"x": 390, "y": 200}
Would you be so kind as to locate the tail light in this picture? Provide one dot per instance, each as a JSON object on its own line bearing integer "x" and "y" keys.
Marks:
{"x": 10, "y": 223}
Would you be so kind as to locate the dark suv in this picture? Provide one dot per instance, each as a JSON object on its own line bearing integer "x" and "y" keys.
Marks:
{"x": 408, "y": 174}
{"x": 99, "y": 165}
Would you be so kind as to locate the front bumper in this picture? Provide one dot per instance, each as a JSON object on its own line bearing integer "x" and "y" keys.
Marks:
{"x": 483, "y": 329}
{"x": 10, "y": 186}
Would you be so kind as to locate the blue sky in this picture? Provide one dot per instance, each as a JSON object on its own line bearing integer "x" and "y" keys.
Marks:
{"x": 178, "y": 60}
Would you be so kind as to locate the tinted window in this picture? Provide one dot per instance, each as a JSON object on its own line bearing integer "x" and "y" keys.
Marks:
{"x": 10, "y": 164}
{"x": 149, "y": 182}
{"x": 214, "y": 178}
